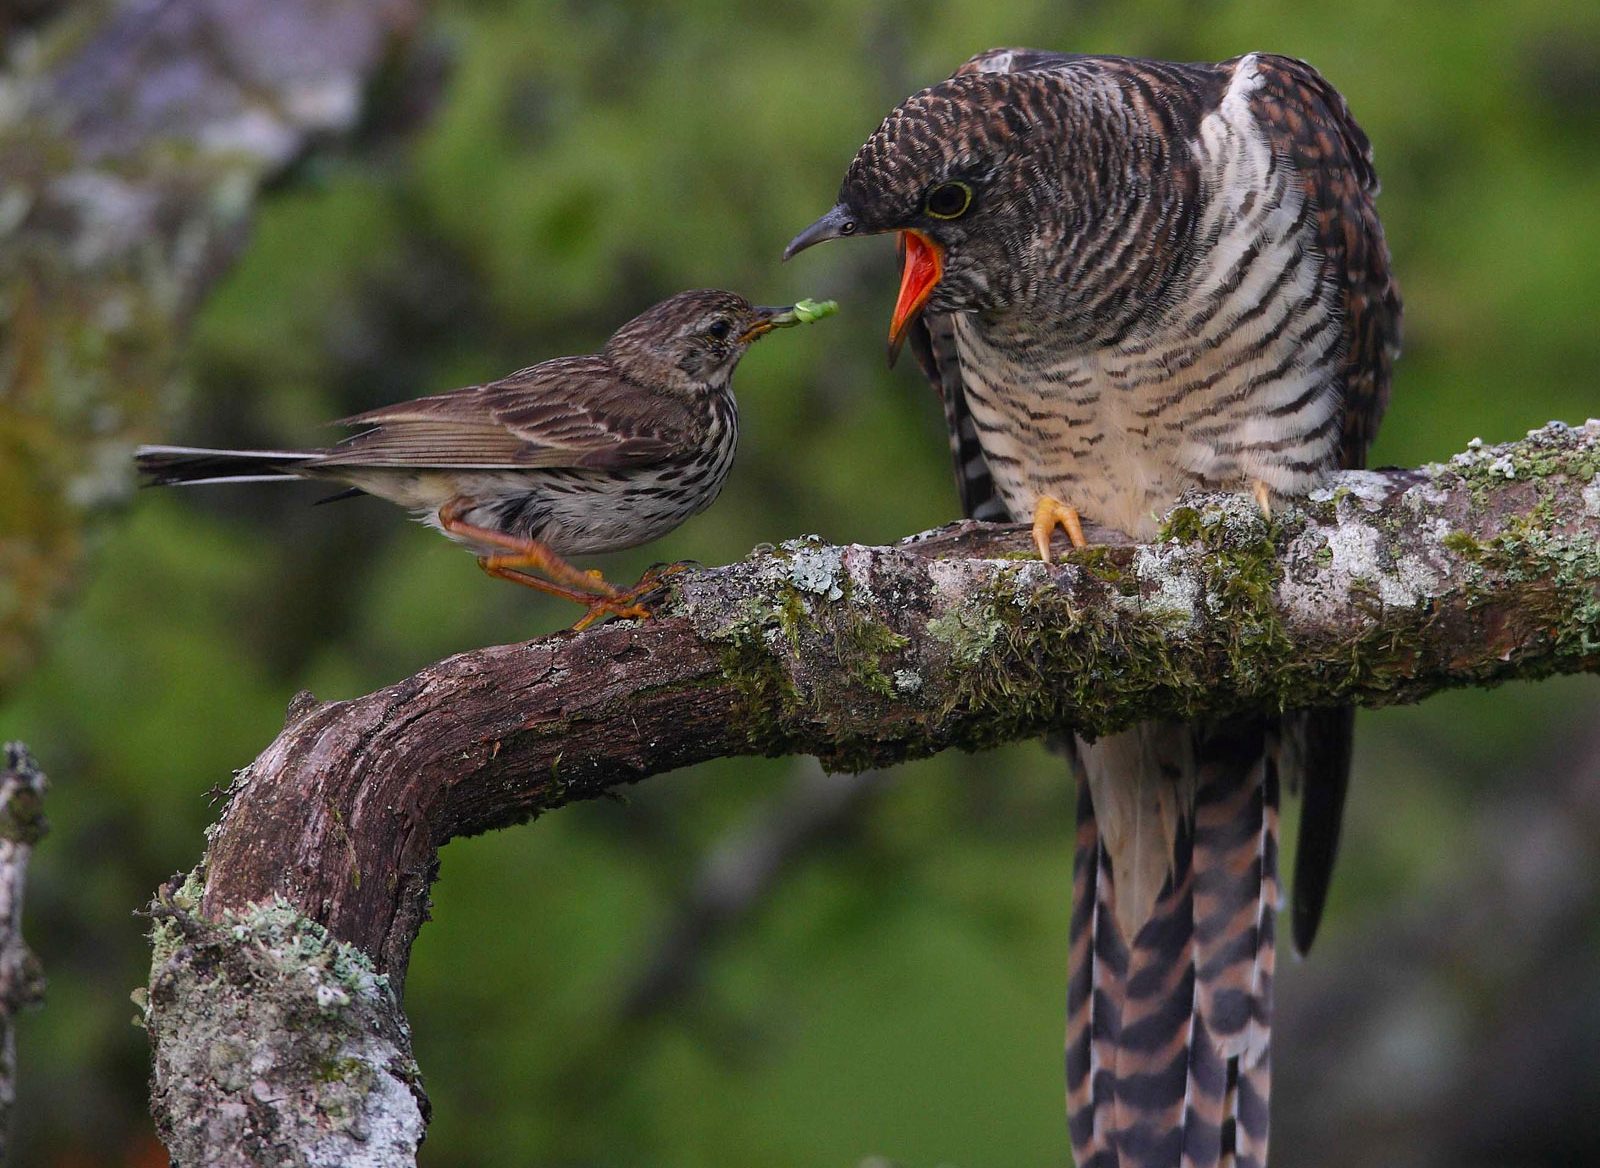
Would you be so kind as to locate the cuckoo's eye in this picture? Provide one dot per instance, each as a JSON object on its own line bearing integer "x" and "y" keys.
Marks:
{"x": 949, "y": 200}
{"x": 719, "y": 330}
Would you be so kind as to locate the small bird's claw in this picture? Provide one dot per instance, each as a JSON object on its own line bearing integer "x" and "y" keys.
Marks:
{"x": 629, "y": 604}
{"x": 660, "y": 571}
{"x": 607, "y": 607}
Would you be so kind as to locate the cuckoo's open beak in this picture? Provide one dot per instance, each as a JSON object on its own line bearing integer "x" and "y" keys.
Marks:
{"x": 835, "y": 224}
{"x": 922, "y": 263}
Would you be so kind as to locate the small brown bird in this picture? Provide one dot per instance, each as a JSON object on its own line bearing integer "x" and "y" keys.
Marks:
{"x": 1126, "y": 278}
{"x": 574, "y": 456}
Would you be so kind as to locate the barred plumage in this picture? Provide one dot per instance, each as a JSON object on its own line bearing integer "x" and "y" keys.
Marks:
{"x": 574, "y": 456}
{"x": 1127, "y": 278}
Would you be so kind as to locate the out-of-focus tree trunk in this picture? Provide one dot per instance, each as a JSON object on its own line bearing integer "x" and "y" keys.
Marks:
{"x": 134, "y": 140}
{"x": 22, "y": 824}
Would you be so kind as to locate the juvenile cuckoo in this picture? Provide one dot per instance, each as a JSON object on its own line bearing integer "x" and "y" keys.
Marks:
{"x": 1126, "y": 278}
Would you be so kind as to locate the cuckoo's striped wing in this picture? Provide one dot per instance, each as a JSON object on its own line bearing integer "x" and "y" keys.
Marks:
{"x": 1310, "y": 126}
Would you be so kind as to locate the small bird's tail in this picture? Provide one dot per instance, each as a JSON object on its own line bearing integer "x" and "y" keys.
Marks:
{"x": 172, "y": 465}
{"x": 1168, "y": 1037}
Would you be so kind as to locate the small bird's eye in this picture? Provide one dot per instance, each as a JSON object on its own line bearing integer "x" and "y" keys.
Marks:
{"x": 848, "y": 227}
{"x": 719, "y": 330}
{"x": 949, "y": 200}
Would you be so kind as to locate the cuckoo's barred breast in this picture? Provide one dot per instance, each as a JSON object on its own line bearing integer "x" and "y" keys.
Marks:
{"x": 1231, "y": 375}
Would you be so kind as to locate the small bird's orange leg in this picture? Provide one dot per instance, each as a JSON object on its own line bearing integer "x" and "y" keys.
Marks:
{"x": 529, "y": 580}
{"x": 521, "y": 553}
{"x": 597, "y": 607}
{"x": 1263, "y": 494}
{"x": 1048, "y": 514}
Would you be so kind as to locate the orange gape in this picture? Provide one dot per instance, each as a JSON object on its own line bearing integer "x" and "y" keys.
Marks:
{"x": 922, "y": 265}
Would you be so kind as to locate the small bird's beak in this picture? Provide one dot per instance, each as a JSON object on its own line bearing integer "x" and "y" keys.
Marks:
{"x": 800, "y": 312}
{"x": 768, "y": 319}
{"x": 835, "y": 223}
{"x": 922, "y": 264}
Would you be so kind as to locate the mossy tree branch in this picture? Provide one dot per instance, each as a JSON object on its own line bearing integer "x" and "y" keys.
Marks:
{"x": 1384, "y": 588}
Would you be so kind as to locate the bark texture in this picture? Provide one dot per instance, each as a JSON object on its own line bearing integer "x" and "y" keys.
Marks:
{"x": 134, "y": 137}
{"x": 1383, "y": 588}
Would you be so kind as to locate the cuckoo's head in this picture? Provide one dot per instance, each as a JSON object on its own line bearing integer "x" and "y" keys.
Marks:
{"x": 693, "y": 341}
{"x": 959, "y": 171}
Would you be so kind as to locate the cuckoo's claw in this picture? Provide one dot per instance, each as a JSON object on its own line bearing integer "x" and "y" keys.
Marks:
{"x": 1048, "y": 514}
{"x": 1263, "y": 496}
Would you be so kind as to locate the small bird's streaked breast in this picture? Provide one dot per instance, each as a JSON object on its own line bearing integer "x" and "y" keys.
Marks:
{"x": 579, "y": 512}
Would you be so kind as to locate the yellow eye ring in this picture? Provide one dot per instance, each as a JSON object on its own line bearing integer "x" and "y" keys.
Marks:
{"x": 948, "y": 200}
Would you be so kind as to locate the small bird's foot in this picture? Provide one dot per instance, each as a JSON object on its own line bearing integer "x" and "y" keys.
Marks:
{"x": 630, "y": 603}
{"x": 613, "y": 603}
{"x": 656, "y": 574}
{"x": 1048, "y": 514}
{"x": 534, "y": 565}
{"x": 609, "y": 607}
{"x": 1263, "y": 497}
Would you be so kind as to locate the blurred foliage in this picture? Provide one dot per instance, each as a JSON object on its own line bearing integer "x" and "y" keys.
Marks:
{"x": 901, "y": 994}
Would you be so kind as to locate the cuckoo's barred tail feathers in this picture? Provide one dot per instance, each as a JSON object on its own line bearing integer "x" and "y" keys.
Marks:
{"x": 178, "y": 465}
{"x": 1168, "y": 1037}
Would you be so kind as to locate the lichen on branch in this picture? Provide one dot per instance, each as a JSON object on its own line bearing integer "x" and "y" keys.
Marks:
{"x": 275, "y": 1043}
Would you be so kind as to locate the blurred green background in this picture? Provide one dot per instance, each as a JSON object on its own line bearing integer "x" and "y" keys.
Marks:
{"x": 897, "y": 990}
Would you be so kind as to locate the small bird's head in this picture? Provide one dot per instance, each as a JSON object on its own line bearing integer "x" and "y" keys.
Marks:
{"x": 958, "y": 171}
{"x": 692, "y": 342}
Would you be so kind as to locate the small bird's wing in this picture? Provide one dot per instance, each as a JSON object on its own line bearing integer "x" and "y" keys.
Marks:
{"x": 575, "y": 412}
{"x": 1310, "y": 126}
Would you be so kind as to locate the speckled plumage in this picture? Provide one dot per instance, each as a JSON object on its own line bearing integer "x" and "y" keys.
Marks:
{"x": 1166, "y": 276}
{"x": 581, "y": 455}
